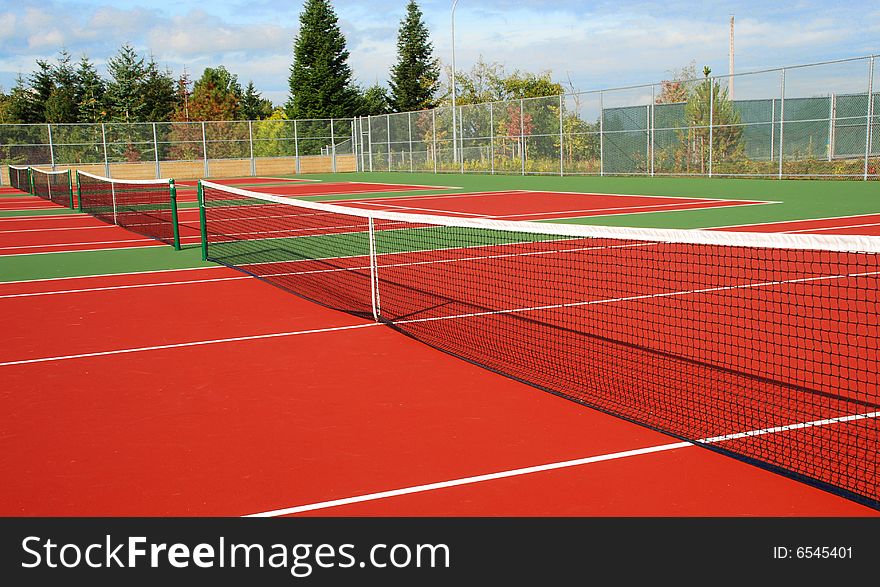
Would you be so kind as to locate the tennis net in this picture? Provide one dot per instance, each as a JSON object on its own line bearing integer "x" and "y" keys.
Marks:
{"x": 146, "y": 207}
{"x": 54, "y": 186}
{"x": 760, "y": 346}
{"x": 19, "y": 177}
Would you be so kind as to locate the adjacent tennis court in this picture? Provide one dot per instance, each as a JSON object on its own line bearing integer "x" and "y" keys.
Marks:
{"x": 165, "y": 384}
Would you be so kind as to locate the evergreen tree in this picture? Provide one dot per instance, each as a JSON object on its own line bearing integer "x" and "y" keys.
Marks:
{"x": 159, "y": 93}
{"x": 20, "y": 104}
{"x": 415, "y": 76}
{"x": 61, "y": 105}
{"x": 42, "y": 84}
{"x": 89, "y": 94}
{"x": 374, "y": 100}
{"x": 253, "y": 105}
{"x": 320, "y": 77}
{"x": 125, "y": 89}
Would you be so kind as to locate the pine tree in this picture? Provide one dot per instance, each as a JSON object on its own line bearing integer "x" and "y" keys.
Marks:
{"x": 159, "y": 93}
{"x": 320, "y": 77}
{"x": 374, "y": 101}
{"x": 42, "y": 84}
{"x": 61, "y": 105}
{"x": 182, "y": 96}
{"x": 415, "y": 76}
{"x": 125, "y": 90}
{"x": 253, "y": 105}
{"x": 20, "y": 104}
{"x": 89, "y": 94}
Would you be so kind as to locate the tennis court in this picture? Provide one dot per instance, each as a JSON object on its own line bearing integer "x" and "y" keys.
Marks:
{"x": 146, "y": 381}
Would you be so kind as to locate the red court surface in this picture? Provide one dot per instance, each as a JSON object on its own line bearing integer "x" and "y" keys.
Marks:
{"x": 302, "y": 414}
{"x": 863, "y": 224}
{"x": 532, "y": 205}
{"x": 340, "y": 188}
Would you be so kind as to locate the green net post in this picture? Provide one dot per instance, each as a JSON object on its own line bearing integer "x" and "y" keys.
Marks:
{"x": 174, "y": 226}
{"x": 203, "y": 223}
{"x": 70, "y": 189}
{"x": 79, "y": 195}
{"x": 30, "y": 181}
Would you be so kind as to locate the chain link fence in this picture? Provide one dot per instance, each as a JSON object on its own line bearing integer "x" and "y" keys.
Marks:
{"x": 185, "y": 149}
{"x": 817, "y": 120}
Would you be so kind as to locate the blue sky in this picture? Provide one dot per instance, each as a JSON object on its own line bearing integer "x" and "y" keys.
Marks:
{"x": 595, "y": 44}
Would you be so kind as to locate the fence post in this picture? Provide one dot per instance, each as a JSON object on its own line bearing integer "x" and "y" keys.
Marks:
{"x": 561, "y": 132}
{"x": 772, "y": 129}
{"x": 205, "y": 149}
{"x": 156, "y": 152}
{"x": 104, "y": 141}
{"x": 601, "y": 134}
{"x": 333, "y": 145}
{"x": 388, "y": 137}
{"x": 832, "y": 116}
{"x": 295, "y": 148}
{"x": 492, "y": 136}
{"x": 434, "y": 133}
{"x": 51, "y": 147}
{"x": 409, "y": 124}
{"x": 653, "y": 124}
{"x": 870, "y": 119}
{"x": 461, "y": 138}
{"x": 251, "y": 143}
{"x": 711, "y": 120}
{"x": 781, "y": 120}
{"x": 522, "y": 137}
{"x": 370, "y": 139}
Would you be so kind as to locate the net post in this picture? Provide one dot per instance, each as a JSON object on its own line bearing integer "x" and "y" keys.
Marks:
{"x": 79, "y": 197}
{"x": 172, "y": 192}
{"x": 374, "y": 278}
{"x": 30, "y": 179}
{"x": 70, "y": 189}
{"x": 113, "y": 195}
{"x": 203, "y": 223}
{"x": 653, "y": 124}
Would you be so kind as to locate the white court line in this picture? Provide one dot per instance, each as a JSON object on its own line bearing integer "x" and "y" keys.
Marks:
{"x": 157, "y": 244}
{"x": 46, "y": 246}
{"x": 458, "y": 316}
{"x": 114, "y": 287}
{"x": 820, "y": 229}
{"x": 188, "y": 344}
{"x": 554, "y": 466}
{"x": 98, "y": 226}
{"x": 863, "y": 215}
{"x": 2, "y": 283}
{"x": 76, "y": 215}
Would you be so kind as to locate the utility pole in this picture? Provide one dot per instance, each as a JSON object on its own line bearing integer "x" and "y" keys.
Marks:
{"x": 730, "y": 64}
